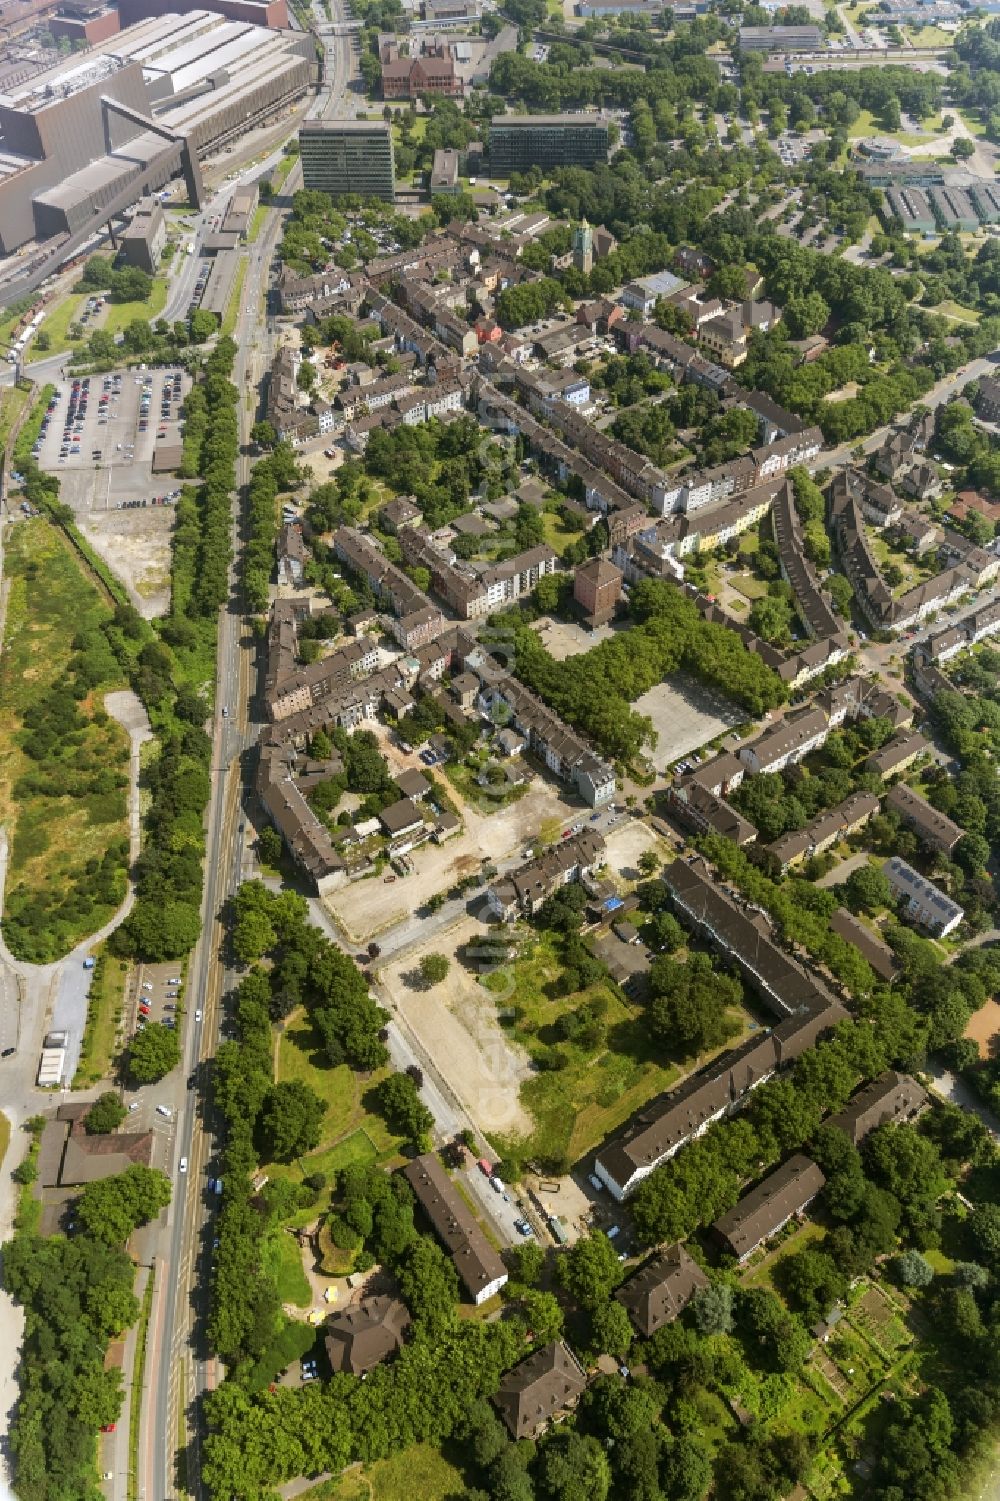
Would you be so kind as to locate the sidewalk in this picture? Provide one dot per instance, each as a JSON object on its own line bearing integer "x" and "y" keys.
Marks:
{"x": 114, "y": 1447}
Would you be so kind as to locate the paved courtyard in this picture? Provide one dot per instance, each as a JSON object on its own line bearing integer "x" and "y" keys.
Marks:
{"x": 685, "y": 716}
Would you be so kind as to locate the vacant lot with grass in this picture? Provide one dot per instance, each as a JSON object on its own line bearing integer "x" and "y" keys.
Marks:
{"x": 13, "y": 400}
{"x": 351, "y": 1133}
{"x": 579, "y": 1103}
{"x": 104, "y": 1007}
{"x": 63, "y": 759}
{"x": 418, "y": 1472}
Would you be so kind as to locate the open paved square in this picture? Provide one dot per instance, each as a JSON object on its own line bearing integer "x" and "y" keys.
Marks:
{"x": 685, "y": 716}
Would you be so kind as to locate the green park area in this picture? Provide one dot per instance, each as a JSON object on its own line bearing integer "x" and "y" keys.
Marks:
{"x": 419, "y": 1471}
{"x": 63, "y": 759}
{"x": 58, "y": 322}
{"x": 350, "y": 1132}
{"x": 596, "y": 1060}
{"x": 104, "y": 1008}
{"x": 868, "y": 124}
{"x": 118, "y": 315}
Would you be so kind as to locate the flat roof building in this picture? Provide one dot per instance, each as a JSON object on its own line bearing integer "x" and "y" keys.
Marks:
{"x": 780, "y": 39}
{"x": 348, "y": 156}
{"x": 518, "y": 142}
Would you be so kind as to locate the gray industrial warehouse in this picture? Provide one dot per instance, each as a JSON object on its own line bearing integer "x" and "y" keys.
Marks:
{"x": 93, "y": 134}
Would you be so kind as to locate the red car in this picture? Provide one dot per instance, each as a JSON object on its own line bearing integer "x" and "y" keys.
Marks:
{"x": 109, "y": 1427}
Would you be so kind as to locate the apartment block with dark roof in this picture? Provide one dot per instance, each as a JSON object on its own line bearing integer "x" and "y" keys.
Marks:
{"x": 661, "y": 1290}
{"x": 890, "y": 1098}
{"x": 932, "y": 828}
{"x": 766, "y": 1209}
{"x": 878, "y": 954}
{"x": 541, "y": 1390}
{"x": 480, "y": 1269}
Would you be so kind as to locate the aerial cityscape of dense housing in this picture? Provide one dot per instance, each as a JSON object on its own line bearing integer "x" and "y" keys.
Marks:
{"x": 499, "y": 728}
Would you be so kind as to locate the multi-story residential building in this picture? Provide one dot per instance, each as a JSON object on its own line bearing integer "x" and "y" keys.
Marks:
{"x": 898, "y": 754}
{"x": 518, "y": 142}
{"x": 825, "y": 829}
{"x": 794, "y": 737}
{"x": 926, "y": 903}
{"x": 931, "y": 827}
{"x": 348, "y": 156}
{"x": 890, "y": 1098}
{"x": 813, "y": 604}
{"x": 525, "y": 889}
{"x": 806, "y": 1008}
{"x": 566, "y": 754}
{"x": 766, "y": 1209}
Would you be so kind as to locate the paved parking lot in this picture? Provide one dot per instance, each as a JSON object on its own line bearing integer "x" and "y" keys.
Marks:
{"x": 122, "y": 508}
{"x": 112, "y": 420}
{"x": 685, "y": 716}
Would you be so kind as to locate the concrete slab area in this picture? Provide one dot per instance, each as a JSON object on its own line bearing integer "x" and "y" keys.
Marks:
{"x": 123, "y": 509}
{"x": 685, "y": 716}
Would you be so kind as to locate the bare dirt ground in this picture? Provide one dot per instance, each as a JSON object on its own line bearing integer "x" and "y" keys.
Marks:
{"x": 984, "y": 1029}
{"x": 626, "y": 843}
{"x": 563, "y": 639}
{"x": 136, "y": 544}
{"x": 368, "y": 907}
{"x": 456, "y": 1024}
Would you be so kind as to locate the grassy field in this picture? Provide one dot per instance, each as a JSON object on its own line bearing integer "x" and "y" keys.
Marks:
{"x": 118, "y": 315}
{"x": 104, "y": 1007}
{"x": 350, "y": 1132}
{"x": 235, "y": 296}
{"x": 750, "y": 587}
{"x": 4, "y": 1136}
{"x": 13, "y": 400}
{"x": 419, "y": 1471}
{"x": 577, "y": 1106}
{"x": 956, "y": 312}
{"x": 281, "y": 171}
{"x": 58, "y": 838}
{"x": 57, "y": 324}
{"x": 868, "y": 124}
{"x": 281, "y": 1257}
{"x": 557, "y": 534}
{"x": 257, "y": 222}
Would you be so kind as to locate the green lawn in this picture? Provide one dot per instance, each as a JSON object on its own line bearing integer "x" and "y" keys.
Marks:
{"x": 73, "y": 810}
{"x": 751, "y": 588}
{"x": 104, "y": 1007}
{"x": 350, "y": 1132}
{"x": 281, "y": 1258}
{"x": 13, "y": 400}
{"x": 4, "y": 1136}
{"x": 118, "y": 315}
{"x": 419, "y": 1473}
{"x": 868, "y": 124}
{"x": 579, "y": 1105}
{"x": 257, "y": 222}
{"x": 556, "y": 531}
{"x": 235, "y": 297}
{"x": 956, "y": 312}
{"x": 56, "y": 325}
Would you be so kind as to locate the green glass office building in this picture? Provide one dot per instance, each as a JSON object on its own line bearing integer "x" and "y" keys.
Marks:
{"x": 518, "y": 142}
{"x": 348, "y": 156}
